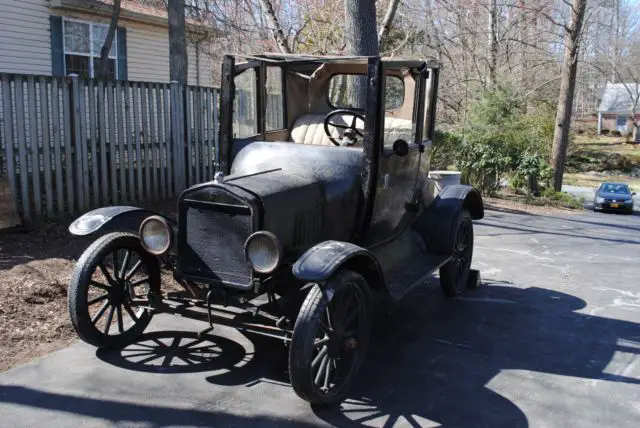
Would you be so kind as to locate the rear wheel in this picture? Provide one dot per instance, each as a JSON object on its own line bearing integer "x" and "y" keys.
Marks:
{"x": 110, "y": 289}
{"x": 330, "y": 338}
{"x": 455, "y": 274}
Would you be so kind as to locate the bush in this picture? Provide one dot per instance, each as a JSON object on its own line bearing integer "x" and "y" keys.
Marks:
{"x": 501, "y": 137}
{"x": 604, "y": 131}
{"x": 561, "y": 198}
{"x": 532, "y": 173}
{"x": 616, "y": 133}
{"x": 444, "y": 149}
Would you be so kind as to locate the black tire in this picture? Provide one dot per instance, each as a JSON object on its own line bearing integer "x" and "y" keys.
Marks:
{"x": 116, "y": 292}
{"x": 455, "y": 273}
{"x": 318, "y": 341}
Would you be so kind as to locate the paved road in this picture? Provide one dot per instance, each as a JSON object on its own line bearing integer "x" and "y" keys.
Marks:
{"x": 588, "y": 193}
{"x": 552, "y": 339}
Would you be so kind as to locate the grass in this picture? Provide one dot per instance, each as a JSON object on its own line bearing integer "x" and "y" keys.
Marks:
{"x": 588, "y": 180}
{"x": 606, "y": 145}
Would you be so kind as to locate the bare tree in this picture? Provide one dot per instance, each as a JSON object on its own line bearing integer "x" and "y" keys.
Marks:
{"x": 103, "y": 69}
{"x": 178, "y": 62}
{"x": 386, "y": 22}
{"x": 567, "y": 88}
{"x": 276, "y": 28}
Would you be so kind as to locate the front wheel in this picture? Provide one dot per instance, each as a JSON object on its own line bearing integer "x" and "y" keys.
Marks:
{"x": 110, "y": 289}
{"x": 455, "y": 274}
{"x": 330, "y": 338}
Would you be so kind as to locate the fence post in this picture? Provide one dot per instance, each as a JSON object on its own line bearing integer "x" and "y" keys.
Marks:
{"x": 177, "y": 135}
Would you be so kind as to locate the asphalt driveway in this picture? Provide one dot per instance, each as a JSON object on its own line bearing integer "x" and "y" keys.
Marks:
{"x": 552, "y": 339}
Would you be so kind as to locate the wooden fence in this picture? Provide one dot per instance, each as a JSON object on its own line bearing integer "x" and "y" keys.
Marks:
{"x": 68, "y": 145}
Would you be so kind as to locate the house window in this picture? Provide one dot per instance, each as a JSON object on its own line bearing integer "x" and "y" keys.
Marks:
{"x": 82, "y": 44}
{"x": 621, "y": 122}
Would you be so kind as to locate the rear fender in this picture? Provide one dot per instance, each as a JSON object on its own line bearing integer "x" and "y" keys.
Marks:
{"x": 116, "y": 218}
{"x": 320, "y": 262}
{"x": 438, "y": 220}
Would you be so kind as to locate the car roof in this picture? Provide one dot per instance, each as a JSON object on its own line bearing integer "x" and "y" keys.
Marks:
{"x": 615, "y": 183}
{"x": 295, "y": 58}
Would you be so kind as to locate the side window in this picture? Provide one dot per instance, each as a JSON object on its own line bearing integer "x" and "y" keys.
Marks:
{"x": 393, "y": 93}
{"x": 245, "y": 119}
{"x": 274, "y": 114}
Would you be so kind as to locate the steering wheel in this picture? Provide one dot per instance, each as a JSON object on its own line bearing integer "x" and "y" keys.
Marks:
{"x": 352, "y": 127}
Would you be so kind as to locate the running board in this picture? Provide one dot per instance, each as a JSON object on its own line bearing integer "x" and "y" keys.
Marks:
{"x": 414, "y": 273}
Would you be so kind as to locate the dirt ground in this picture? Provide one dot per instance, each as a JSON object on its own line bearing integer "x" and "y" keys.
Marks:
{"x": 35, "y": 269}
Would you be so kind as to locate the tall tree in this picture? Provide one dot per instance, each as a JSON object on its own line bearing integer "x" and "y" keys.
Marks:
{"x": 361, "y": 39}
{"x": 103, "y": 68}
{"x": 567, "y": 89}
{"x": 178, "y": 62}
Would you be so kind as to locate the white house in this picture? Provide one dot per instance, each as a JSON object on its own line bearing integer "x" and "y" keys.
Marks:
{"x": 619, "y": 100}
{"x": 60, "y": 37}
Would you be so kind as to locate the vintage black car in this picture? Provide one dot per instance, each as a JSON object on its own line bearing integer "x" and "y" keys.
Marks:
{"x": 310, "y": 217}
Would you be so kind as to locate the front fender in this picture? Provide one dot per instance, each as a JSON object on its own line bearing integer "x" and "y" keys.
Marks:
{"x": 318, "y": 263}
{"x": 116, "y": 218}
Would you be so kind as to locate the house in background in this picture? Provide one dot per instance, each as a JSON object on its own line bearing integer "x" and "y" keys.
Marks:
{"x": 61, "y": 37}
{"x": 619, "y": 100}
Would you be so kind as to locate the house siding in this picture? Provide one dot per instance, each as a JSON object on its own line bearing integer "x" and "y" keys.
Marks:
{"x": 25, "y": 35}
{"x": 609, "y": 120}
{"x": 26, "y": 43}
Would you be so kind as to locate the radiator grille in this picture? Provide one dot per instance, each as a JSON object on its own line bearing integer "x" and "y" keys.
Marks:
{"x": 216, "y": 243}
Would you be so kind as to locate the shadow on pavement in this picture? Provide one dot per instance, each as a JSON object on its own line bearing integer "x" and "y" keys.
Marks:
{"x": 146, "y": 415}
{"x": 431, "y": 359}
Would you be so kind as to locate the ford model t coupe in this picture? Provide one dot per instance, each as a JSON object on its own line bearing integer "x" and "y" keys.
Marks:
{"x": 321, "y": 201}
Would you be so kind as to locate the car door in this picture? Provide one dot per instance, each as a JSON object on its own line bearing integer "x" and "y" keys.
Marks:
{"x": 397, "y": 169}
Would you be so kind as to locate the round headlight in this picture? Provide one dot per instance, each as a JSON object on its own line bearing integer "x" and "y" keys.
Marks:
{"x": 263, "y": 251}
{"x": 155, "y": 235}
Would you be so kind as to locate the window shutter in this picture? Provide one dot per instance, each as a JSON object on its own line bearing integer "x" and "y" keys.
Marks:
{"x": 123, "y": 74}
{"x": 57, "y": 46}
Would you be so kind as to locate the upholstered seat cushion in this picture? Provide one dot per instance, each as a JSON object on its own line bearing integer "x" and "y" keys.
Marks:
{"x": 309, "y": 129}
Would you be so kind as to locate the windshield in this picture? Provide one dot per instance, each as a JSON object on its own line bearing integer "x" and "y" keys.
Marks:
{"x": 615, "y": 188}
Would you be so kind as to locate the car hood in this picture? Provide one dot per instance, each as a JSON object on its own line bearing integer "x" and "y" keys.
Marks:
{"x": 616, "y": 196}
{"x": 307, "y": 192}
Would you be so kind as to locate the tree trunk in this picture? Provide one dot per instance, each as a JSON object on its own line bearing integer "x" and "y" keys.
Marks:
{"x": 361, "y": 39}
{"x": 493, "y": 48}
{"x": 386, "y": 22}
{"x": 178, "y": 63}
{"x": 567, "y": 89}
{"x": 276, "y": 28}
{"x": 103, "y": 68}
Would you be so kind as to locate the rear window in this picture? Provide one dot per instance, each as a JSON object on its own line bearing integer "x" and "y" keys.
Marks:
{"x": 343, "y": 87}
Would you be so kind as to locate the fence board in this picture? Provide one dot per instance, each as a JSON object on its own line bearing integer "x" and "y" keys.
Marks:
{"x": 10, "y": 158}
{"x": 189, "y": 163}
{"x": 102, "y": 131}
{"x": 207, "y": 124}
{"x": 57, "y": 137}
{"x": 81, "y": 149}
{"x": 216, "y": 125}
{"x": 197, "y": 127}
{"x": 158, "y": 145}
{"x": 93, "y": 136}
{"x": 121, "y": 131}
{"x": 128, "y": 110}
{"x": 145, "y": 140}
{"x": 136, "y": 126}
{"x": 33, "y": 145}
{"x": 165, "y": 169}
{"x": 46, "y": 143}
{"x": 111, "y": 113}
{"x": 22, "y": 148}
{"x": 68, "y": 160}
{"x": 153, "y": 138}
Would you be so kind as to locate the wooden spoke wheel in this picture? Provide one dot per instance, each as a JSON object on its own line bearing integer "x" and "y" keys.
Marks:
{"x": 110, "y": 289}
{"x": 454, "y": 275}
{"x": 330, "y": 338}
